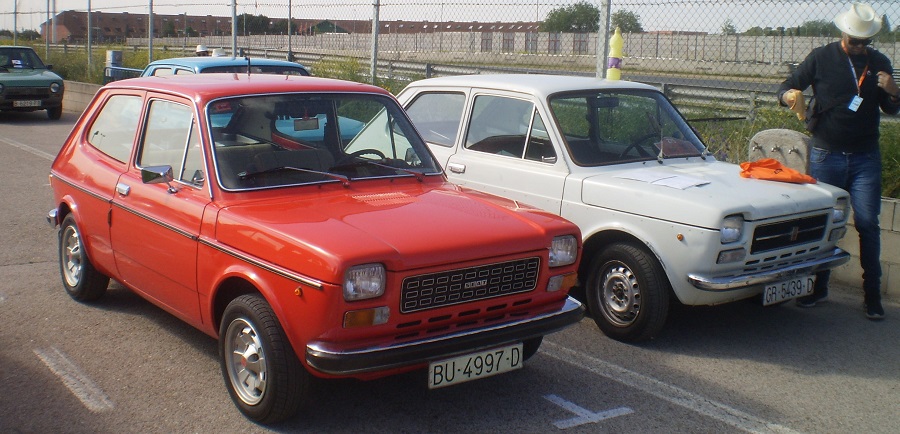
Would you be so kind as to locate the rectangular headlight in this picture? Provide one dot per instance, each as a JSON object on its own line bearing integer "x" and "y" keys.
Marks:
{"x": 732, "y": 228}
{"x": 563, "y": 250}
{"x": 364, "y": 281}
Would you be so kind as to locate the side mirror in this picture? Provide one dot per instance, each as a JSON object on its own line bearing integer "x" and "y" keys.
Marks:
{"x": 158, "y": 175}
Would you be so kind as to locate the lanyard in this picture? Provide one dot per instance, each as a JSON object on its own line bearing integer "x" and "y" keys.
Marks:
{"x": 858, "y": 81}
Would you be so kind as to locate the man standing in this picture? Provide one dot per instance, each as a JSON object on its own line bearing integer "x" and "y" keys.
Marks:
{"x": 850, "y": 82}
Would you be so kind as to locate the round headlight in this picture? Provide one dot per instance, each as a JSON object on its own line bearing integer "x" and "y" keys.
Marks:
{"x": 732, "y": 228}
{"x": 54, "y": 87}
{"x": 839, "y": 213}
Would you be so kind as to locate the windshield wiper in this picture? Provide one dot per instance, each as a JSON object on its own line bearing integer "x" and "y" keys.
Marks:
{"x": 345, "y": 180}
{"x": 419, "y": 176}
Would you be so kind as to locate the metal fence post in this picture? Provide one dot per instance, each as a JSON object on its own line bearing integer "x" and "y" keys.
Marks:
{"x": 603, "y": 39}
{"x": 373, "y": 63}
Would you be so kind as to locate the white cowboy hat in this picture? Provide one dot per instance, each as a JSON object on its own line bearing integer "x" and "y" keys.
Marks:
{"x": 201, "y": 48}
{"x": 219, "y": 52}
{"x": 860, "y": 21}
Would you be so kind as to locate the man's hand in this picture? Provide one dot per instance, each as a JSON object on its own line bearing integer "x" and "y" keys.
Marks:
{"x": 790, "y": 97}
{"x": 886, "y": 82}
{"x": 794, "y": 99}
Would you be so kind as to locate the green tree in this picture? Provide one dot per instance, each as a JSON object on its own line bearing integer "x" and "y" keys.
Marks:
{"x": 626, "y": 21}
{"x": 581, "y": 17}
{"x": 253, "y": 24}
{"x": 168, "y": 29}
{"x": 728, "y": 27}
{"x": 885, "y": 34}
{"x": 31, "y": 35}
{"x": 818, "y": 28}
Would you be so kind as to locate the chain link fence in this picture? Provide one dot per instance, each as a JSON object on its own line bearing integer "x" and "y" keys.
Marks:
{"x": 716, "y": 60}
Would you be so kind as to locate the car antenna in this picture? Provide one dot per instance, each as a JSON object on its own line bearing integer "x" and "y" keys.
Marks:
{"x": 247, "y": 58}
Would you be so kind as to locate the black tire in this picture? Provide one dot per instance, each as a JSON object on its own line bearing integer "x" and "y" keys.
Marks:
{"x": 627, "y": 293}
{"x": 54, "y": 113}
{"x": 79, "y": 277}
{"x": 252, "y": 345}
{"x": 530, "y": 347}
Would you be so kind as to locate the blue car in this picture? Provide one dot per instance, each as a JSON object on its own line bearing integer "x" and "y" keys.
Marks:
{"x": 198, "y": 65}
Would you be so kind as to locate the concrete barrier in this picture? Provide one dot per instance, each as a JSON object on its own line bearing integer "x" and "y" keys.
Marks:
{"x": 78, "y": 95}
{"x": 850, "y": 274}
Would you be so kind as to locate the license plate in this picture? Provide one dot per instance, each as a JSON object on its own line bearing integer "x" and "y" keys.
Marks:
{"x": 474, "y": 366}
{"x": 788, "y": 289}
{"x": 27, "y": 103}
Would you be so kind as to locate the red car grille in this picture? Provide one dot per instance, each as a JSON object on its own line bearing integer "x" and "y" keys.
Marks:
{"x": 433, "y": 290}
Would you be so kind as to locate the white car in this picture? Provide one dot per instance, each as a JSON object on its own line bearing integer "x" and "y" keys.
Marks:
{"x": 660, "y": 216}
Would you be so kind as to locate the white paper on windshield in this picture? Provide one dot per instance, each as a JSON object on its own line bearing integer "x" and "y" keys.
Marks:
{"x": 667, "y": 179}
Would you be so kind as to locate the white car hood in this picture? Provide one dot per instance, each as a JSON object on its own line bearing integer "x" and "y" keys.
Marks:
{"x": 715, "y": 190}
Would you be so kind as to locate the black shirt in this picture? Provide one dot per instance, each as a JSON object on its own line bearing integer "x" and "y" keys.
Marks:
{"x": 827, "y": 70}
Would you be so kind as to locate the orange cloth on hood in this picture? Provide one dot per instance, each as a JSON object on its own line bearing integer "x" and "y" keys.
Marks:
{"x": 771, "y": 169}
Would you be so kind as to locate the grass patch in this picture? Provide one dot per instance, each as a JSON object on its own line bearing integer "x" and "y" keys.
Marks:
{"x": 730, "y": 140}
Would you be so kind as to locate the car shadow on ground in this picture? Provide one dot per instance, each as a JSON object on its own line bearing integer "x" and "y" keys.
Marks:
{"x": 833, "y": 337}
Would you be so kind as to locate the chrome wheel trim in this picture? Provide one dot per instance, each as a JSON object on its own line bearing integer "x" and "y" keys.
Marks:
{"x": 245, "y": 361}
{"x": 73, "y": 256}
{"x": 620, "y": 295}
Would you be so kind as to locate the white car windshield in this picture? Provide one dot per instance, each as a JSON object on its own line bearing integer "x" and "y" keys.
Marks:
{"x": 602, "y": 128}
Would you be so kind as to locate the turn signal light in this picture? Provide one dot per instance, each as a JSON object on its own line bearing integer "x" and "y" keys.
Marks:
{"x": 366, "y": 317}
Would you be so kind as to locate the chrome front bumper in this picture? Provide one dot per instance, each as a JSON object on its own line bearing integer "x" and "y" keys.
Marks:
{"x": 833, "y": 259}
{"x": 331, "y": 359}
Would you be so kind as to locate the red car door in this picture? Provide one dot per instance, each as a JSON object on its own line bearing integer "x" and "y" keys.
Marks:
{"x": 155, "y": 226}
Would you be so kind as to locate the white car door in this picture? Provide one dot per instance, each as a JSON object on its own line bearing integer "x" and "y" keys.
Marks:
{"x": 505, "y": 149}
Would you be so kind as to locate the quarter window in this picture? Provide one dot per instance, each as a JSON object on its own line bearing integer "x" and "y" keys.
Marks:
{"x": 113, "y": 131}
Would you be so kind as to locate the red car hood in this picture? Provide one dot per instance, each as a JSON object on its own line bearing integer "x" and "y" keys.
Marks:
{"x": 405, "y": 228}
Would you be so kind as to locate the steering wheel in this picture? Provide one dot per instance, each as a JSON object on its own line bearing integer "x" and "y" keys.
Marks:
{"x": 360, "y": 152}
{"x": 638, "y": 145}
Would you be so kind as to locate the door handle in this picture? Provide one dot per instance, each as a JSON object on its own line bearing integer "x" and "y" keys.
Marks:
{"x": 123, "y": 189}
{"x": 456, "y": 167}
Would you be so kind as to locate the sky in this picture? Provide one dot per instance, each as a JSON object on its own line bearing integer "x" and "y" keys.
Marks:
{"x": 684, "y": 15}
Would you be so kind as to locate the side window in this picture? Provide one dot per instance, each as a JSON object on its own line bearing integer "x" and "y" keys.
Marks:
{"x": 437, "y": 116}
{"x": 180, "y": 71}
{"x": 163, "y": 70}
{"x": 499, "y": 125}
{"x": 115, "y": 126}
{"x": 166, "y": 138}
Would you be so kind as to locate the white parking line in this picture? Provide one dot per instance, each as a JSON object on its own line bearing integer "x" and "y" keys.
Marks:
{"x": 78, "y": 383}
{"x": 667, "y": 392}
{"x": 583, "y": 415}
{"x": 27, "y": 148}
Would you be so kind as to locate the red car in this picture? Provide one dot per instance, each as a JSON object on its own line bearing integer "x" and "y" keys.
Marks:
{"x": 303, "y": 222}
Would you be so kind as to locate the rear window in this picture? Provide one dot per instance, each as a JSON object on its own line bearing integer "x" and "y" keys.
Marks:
{"x": 256, "y": 69}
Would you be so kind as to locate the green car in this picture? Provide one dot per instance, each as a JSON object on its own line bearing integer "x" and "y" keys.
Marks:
{"x": 26, "y": 84}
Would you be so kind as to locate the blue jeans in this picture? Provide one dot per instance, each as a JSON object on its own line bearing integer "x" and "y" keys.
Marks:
{"x": 860, "y": 174}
